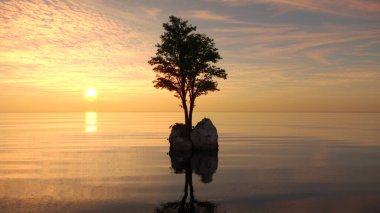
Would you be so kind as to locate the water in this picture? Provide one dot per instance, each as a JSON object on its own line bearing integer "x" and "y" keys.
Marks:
{"x": 118, "y": 162}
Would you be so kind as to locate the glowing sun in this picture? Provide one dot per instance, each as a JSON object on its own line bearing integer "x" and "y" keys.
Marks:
{"x": 90, "y": 93}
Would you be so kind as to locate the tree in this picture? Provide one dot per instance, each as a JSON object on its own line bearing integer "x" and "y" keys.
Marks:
{"x": 185, "y": 64}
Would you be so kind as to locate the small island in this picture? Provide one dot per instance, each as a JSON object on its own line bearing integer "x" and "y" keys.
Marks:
{"x": 185, "y": 64}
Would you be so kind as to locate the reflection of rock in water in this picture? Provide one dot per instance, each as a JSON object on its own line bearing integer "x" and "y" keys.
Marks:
{"x": 205, "y": 165}
{"x": 180, "y": 160}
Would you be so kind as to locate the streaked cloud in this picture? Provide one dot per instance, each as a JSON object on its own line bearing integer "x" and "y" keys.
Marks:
{"x": 207, "y": 15}
{"x": 66, "y": 45}
{"x": 347, "y": 8}
{"x": 59, "y": 48}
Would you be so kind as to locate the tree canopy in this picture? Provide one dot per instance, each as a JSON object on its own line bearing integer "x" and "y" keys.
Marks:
{"x": 185, "y": 64}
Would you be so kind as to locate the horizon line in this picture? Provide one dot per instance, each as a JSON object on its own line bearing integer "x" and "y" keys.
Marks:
{"x": 101, "y": 111}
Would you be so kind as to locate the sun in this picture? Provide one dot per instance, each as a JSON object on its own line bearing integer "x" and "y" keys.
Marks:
{"x": 90, "y": 93}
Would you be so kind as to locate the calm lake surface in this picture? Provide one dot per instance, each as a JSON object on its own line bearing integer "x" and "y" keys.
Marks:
{"x": 119, "y": 162}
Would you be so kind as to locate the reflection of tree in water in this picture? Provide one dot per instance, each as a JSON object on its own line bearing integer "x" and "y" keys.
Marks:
{"x": 203, "y": 164}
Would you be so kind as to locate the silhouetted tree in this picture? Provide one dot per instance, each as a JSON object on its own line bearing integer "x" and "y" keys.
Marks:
{"x": 184, "y": 64}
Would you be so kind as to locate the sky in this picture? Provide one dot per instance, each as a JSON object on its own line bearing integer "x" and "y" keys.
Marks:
{"x": 280, "y": 55}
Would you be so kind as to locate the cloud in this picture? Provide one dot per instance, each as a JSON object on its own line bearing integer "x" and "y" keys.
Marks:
{"x": 207, "y": 15}
{"x": 273, "y": 41}
{"x": 346, "y": 77}
{"x": 67, "y": 45}
{"x": 350, "y": 8}
{"x": 272, "y": 56}
{"x": 151, "y": 12}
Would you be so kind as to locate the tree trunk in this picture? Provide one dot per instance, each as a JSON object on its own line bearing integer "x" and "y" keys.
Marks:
{"x": 191, "y": 114}
{"x": 186, "y": 111}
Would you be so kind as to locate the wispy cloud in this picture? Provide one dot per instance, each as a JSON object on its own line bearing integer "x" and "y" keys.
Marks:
{"x": 207, "y": 15}
{"x": 288, "y": 56}
{"x": 348, "y": 8}
{"x": 66, "y": 45}
{"x": 292, "y": 40}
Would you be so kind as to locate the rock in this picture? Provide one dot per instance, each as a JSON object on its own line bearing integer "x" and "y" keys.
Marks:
{"x": 204, "y": 136}
{"x": 178, "y": 138}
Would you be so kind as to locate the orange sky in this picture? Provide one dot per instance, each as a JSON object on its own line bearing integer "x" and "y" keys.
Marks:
{"x": 307, "y": 56}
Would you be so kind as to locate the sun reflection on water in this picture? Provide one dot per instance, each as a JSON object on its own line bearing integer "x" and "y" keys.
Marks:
{"x": 91, "y": 122}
